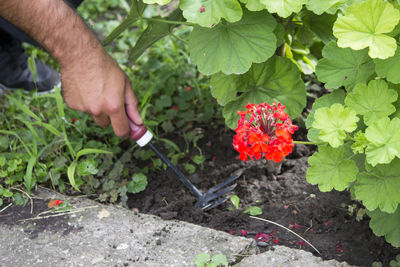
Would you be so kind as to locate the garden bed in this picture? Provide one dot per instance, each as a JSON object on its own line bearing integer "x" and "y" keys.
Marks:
{"x": 323, "y": 219}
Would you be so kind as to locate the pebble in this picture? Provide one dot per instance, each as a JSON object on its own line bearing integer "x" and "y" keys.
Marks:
{"x": 122, "y": 246}
{"x": 262, "y": 244}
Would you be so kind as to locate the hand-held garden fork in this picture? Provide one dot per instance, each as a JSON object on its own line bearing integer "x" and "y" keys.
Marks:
{"x": 206, "y": 201}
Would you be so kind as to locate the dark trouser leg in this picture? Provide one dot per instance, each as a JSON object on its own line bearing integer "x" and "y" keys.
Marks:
{"x": 14, "y": 70}
{"x": 7, "y": 30}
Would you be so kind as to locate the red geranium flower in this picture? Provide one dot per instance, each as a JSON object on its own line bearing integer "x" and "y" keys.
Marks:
{"x": 264, "y": 131}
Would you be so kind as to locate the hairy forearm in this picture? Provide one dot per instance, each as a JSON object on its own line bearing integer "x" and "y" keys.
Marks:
{"x": 54, "y": 25}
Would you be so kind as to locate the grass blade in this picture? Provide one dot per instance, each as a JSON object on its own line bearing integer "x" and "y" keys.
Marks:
{"x": 71, "y": 174}
{"x": 28, "y": 175}
{"x": 86, "y": 151}
{"x": 19, "y": 138}
{"x": 24, "y": 108}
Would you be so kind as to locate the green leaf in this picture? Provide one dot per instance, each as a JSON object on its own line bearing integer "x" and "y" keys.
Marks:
{"x": 207, "y": 13}
{"x": 253, "y": 210}
{"x": 373, "y": 101}
{"x": 223, "y": 88}
{"x": 190, "y": 168}
{"x": 389, "y": 68}
{"x": 199, "y": 159}
{"x": 284, "y": 8}
{"x": 2, "y": 161}
{"x": 331, "y": 168}
{"x": 201, "y": 259}
{"x": 233, "y": 47}
{"x": 24, "y": 108}
{"x": 321, "y": 25}
{"x": 343, "y": 67}
{"x": 325, "y": 101}
{"x": 155, "y": 31}
{"x": 135, "y": 13}
{"x": 7, "y": 193}
{"x": 163, "y": 102}
{"x": 253, "y": 5}
{"x": 380, "y": 187}
{"x": 220, "y": 260}
{"x": 160, "y": 2}
{"x": 138, "y": 183}
{"x": 235, "y": 200}
{"x": 321, "y": 6}
{"x": 360, "y": 142}
{"x": 277, "y": 79}
{"x": 86, "y": 151}
{"x": 334, "y": 122}
{"x": 384, "y": 141}
{"x": 395, "y": 262}
{"x": 386, "y": 224}
{"x": 4, "y": 142}
{"x": 365, "y": 25}
{"x": 86, "y": 167}
{"x": 71, "y": 174}
{"x": 28, "y": 180}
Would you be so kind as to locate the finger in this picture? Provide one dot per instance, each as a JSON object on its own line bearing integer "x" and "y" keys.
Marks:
{"x": 131, "y": 105}
{"x": 102, "y": 120}
{"x": 119, "y": 122}
{"x": 119, "y": 118}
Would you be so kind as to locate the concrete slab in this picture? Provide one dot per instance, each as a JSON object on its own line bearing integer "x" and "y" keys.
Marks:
{"x": 280, "y": 256}
{"x": 105, "y": 235}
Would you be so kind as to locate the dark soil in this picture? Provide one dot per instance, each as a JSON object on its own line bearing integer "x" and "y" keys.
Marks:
{"x": 323, "y": 219}
{"x": 17, "y": 214}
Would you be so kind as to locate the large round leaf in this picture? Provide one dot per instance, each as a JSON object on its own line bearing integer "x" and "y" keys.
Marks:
{"x": 380, "y": 187}
{"x": 223, "y": 87}
{"x": 233, "y": 47}
{"x": 283, "y": 8}
{"x": 343, "y": 67}
{"x": 389, "y": 68}
{"x": 365, "y": 25}
{"x": 386, "y": 224}
{"x": 206, "y": 13}
{"x": 253, "y": 5}
{"x": 331, "y": 168}
{"x": 373, "y": 101}
{"x": 277, "y": 79}
{"x": 321, "y": 6}
{"x": 384, "y": 141}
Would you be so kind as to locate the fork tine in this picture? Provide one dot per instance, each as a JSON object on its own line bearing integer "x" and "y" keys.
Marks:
{"x": 221, "y": 185}
{"x": 213, "y": 195}
{"x": 214, "y": 204}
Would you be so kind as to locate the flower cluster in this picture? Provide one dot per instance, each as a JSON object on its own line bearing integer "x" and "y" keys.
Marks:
{"x": 264, "y": 130}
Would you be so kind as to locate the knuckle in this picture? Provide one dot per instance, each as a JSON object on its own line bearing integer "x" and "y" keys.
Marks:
{"x": 95, "y": 110}
{"x": 113, "y": 107}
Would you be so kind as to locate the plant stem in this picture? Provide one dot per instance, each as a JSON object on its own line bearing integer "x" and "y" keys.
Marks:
{"x": 170, "y": 21}
{"x": 308, "y": 143}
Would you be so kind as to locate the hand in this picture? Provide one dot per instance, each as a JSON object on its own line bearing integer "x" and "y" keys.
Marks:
{"x": 96, "y": 85}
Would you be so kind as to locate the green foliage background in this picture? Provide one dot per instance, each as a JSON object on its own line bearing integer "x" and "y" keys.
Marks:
{"x": 253, "y": 51}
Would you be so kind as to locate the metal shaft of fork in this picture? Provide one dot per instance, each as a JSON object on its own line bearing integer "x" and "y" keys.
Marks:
{"x": 176, "y": 171}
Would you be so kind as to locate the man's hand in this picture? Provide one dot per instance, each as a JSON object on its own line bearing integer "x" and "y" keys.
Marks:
{"x": 91, "y": 80}
{"x": 99, "y": 87}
